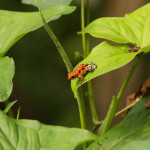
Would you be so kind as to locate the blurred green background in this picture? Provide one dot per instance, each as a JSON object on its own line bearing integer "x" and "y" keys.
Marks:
{"x": 40, "y": 83}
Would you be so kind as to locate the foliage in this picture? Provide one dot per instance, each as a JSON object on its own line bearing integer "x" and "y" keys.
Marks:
{"x": 132, "y": 132}
{"x": 32, "y": 135}
{"x": 7, "y": 70}
{"x": 24, "y": 23}
{"x": 134, "y": 28}
{"x": 103, "y": 55}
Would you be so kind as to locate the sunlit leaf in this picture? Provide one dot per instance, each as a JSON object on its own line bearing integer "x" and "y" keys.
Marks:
{"x": 32, "y": 135}
{"x": 7, "y": 70}
{"x": 133, "y": 28}
{"x": 14, "y": 25}
{"x": 9, "y": 105}
{"x": 132, "y": 133}
{"x": 107, "y": 58}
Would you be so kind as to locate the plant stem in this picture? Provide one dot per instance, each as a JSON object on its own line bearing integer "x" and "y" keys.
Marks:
{"x": 85, "y": 45}
{"x": 117, "y": 114}
{"x": 82, "y": 28}
{"x": 90, "y": 91}
{"x": 92, "y": 104}
{"x": 81, "y": 105}
{"x": 116, "y": 100}
{"x": 56, "y": 42}
{"x": 69, "y": 67}
{"x": 88, "y": 21}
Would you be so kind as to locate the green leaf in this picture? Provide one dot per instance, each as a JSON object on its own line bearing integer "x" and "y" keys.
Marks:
{"x": 18, "y": 114}
{"x": 7, "y": 70}
{"x": 45, "y": 4}
{"x": 32, "y": 135}
{"x": 132, "y": 133}
{"x": 107, "y": 58}
{"x": 133, "y": 28}
{"x": 9, "y": 105}
{"x": 14, "y": 25}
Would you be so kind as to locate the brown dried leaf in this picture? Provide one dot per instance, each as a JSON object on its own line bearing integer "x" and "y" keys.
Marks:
{"x": 144, "y": 90}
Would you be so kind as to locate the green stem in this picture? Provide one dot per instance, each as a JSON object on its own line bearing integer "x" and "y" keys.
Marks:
{"x": 82, "y": 28}
{"x": 92, "y": 104}
{"x": 56, "y": 42}
{"x": 126, "y": 108}
{"x": 69, "y": 67}
{"x": 115, "y": 101}
{"x": 88, "y": 21}
{"x": 81, "y": 105}
{"x": 90, "y": 91}
{"x": 117, "y": 114}
{"x": 85, "y": 45}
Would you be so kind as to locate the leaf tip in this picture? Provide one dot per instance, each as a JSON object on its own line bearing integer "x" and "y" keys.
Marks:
{"x": 18, "y": 114}
{"x": 80, "y": 32}
{"x": 37, "y": 4}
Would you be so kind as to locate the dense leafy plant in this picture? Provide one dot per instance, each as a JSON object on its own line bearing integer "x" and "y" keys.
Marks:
{"x": 134, "y": 28}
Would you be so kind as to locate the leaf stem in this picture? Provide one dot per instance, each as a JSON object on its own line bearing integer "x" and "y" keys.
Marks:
{"x": 92, "y": 104}
{"x": 69, "y": 67}
{"x": 117, "y": 114}
{"x": 82, "y": 28}
{"x": 81, "y": 105}
{"x": 116, "y": 100}
{"x": 89, "y": 85}
{"x": 56, "y": 42}
{"x": 88, "y": 21}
